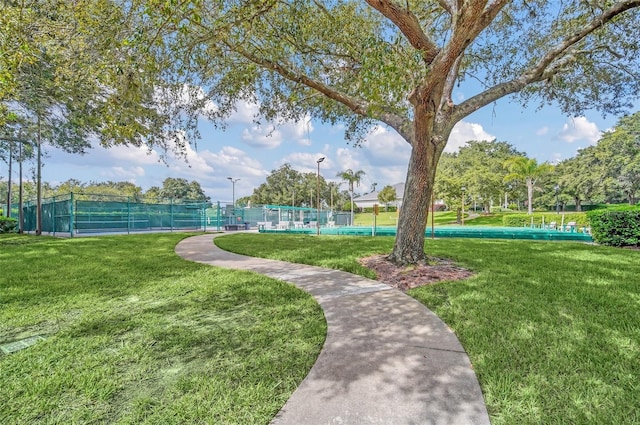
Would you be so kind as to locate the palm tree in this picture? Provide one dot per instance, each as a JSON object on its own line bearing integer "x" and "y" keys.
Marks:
{"x": 350, "y": 177}
{"x": 527, "y": 170}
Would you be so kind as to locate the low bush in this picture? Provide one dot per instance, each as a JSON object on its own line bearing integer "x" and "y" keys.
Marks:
{"x": 524, "y": 220}
{"x": 616, "y": 227}
{"x": 8, "y": 225}
{"x": 382, "y": 208}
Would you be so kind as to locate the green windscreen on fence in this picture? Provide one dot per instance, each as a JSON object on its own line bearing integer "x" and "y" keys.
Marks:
{"x": 81, "y": 213}
{"x": 85, "y": 213}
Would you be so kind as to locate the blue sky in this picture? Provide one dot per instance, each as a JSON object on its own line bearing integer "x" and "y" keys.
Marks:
{"x": 250, "y": 153}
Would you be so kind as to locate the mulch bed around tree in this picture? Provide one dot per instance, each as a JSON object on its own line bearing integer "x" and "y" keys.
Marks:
{"x": 405, "y": 278}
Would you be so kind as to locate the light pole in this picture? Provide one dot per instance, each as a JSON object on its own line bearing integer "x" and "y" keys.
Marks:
{"x": 557, "y": 188}
{"x": 233, "y": 188}
{"x": 318, "y": 161}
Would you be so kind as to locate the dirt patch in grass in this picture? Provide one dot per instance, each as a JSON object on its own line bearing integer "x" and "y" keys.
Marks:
{"x": 405, "y": 278}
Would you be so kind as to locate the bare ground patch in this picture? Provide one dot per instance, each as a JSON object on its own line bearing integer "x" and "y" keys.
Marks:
{"x": 405, "y": 278}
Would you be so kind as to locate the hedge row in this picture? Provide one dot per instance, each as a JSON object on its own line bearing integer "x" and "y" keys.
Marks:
{"x": 381, "y": 208}
{"x": 616, "y": 227}
{"x": 8, "y": 225}
{"x": 524, "y": 220}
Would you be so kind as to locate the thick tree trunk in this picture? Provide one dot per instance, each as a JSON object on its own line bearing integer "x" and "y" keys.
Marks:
{"x": 578, "y": 204}
{"x": 412, "y": 222}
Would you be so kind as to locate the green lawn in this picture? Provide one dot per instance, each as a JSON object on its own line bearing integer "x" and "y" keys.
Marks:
{"x": 390, "y": 218}
{"x": 552, "y": 329}
{"x": 136, "y": 335}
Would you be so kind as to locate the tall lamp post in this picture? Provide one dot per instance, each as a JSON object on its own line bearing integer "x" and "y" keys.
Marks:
{"x": 233, "y": 194}
{"x": 557, "y": 188}
{"x": 318, "y": 161}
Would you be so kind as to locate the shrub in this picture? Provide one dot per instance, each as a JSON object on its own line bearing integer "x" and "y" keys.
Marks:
{"x": 382, "y": 208}
{"x": 516, "y": 220}
{"x": 524, "y": 220}
{"x": 8, "y": 225}
{"x": 347, "y": 206}
{"x": 616, "y": 227}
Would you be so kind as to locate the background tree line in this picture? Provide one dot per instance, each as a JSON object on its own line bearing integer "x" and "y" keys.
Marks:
{"x": 486, "y": 174}
{"x": 286, "y": 186}
{"x": 172, "y": 188}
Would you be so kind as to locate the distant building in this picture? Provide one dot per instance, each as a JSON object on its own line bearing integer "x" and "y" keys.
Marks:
{"x": 368, "y": 200}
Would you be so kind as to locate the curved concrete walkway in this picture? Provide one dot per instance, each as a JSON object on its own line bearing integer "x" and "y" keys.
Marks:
{"x": 386, "y": 360}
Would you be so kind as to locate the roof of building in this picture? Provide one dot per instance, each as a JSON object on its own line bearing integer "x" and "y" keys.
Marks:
{"x": 373, "y": 196}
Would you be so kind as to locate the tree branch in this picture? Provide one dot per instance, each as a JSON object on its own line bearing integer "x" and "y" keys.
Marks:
{"x": 471, "y": 20}
{"x": 449, "y": 6}
{"x": 450, "y": 83}
{"x": 407, "y": 22}
{"x": 540, "y": 70}
{"x": 358, "y": 106}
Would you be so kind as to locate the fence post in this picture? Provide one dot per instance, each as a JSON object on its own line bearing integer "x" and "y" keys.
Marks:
{"x": 128, "y": 215}
{"x": 171, "y": 215}
{"x": 204, "y": 216}
{"x": 218, "y": 218}
{"x": 71, "y": 215}
{"x": 53, "y": 216}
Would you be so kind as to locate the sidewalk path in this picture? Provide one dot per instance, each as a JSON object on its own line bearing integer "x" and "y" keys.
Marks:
{"x": 387, "y": 360}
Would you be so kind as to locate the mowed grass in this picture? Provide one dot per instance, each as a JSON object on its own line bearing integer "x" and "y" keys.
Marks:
{"x": 552, "y": 329}
{"x": 136, "y": 335}
{"x": 391, "y": 218}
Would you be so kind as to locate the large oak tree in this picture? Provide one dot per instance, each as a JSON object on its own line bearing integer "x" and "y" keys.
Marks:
{"x": 397, "y": 63}
{"x": 387, "y": 62}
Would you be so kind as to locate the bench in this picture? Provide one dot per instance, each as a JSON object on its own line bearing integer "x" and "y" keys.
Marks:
{"x": 265, "y": 225}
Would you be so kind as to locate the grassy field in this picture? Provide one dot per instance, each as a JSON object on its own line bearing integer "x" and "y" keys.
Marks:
{"x": 390, "y": 218}
{"x": 449, "y": 217}
{"x": 135, "y": 335}
{"x": 551, "y": 328}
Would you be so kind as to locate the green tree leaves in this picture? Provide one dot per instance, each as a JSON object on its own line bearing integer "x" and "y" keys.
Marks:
{"x": 286, "y": 186}
{"x": 528, "y": 171}
{"x": 479, "y": 168}
{"x": 387, "y": 195}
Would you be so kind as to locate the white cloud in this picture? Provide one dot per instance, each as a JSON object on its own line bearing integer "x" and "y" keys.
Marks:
{"x": 245, "y": 113}
{"x": 139, "y": 155}
{"x": 579, "y": 128}
{"x": 262, "y": 137}
{"x": 348, "y": 158}
{"x": 305, "y": 162}
{"x": 234, "y": 162}
{"x": 385, "y": 148}
{"x": 464, "y": 132}
{"x": 542, "y": 131}
{"x": 195, "y": 164}
{"x": 119, "y": 173}
{"x": 274, "y": 134}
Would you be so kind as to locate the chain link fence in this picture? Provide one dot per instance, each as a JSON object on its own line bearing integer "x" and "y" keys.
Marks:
{"x": 85, "y": 213}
